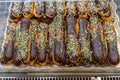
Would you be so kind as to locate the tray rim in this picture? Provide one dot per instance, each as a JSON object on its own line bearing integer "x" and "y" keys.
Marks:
{"x": 63, "y": 71}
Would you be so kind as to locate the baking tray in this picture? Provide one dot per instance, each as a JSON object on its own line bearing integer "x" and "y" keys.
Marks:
{"x": 82, "y": 71}
{"x": 53, "y": 70}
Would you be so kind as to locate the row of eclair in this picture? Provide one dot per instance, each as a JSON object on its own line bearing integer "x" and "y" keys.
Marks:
{"x": 64, "y": 32}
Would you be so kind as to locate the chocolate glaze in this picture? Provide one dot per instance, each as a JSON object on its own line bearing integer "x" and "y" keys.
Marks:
{"x": 8, "y": 53}
{"x": 41, "y": 57}
{"x": 33, "y": 51}
{"x": 70, "y": 22}
{"x": 104, "y": 58}
{"x": 50, "y": 55}
{"x": 16, "y": 61}
{"x": 83, "y": 26}
{"x": 59, "y": 55}
{"x": 25, "y": 23}
{"x": 97, "y": 50}
{"x": 113, "y": 54}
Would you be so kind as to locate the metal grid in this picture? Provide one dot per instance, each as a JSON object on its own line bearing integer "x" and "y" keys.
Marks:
{"x": 110, "y": 78}
{"x": 61, "y": 78}
{"x": 46, "y": 78}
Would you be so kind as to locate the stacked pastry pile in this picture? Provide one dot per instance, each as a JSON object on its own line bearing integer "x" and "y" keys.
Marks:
{"x": 68, "y": 33}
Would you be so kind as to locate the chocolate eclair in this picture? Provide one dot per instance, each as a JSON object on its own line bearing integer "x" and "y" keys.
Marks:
{"x": 42, "y": 41}
{"x": 33, "y": 48}
{"x": 109, "y": 30}
{"x": 111, "y": 39}
{"x": 51, "y": 42}
{"x": 8, "y": 47}
{"x": 72, "y": 50}
{"x": 22, "y": 42}
{"x": 58, "y": 22}
{"x": 83, "y": 33}
{"x": 96, "y": 42}
{"x": 50, "y": 14}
